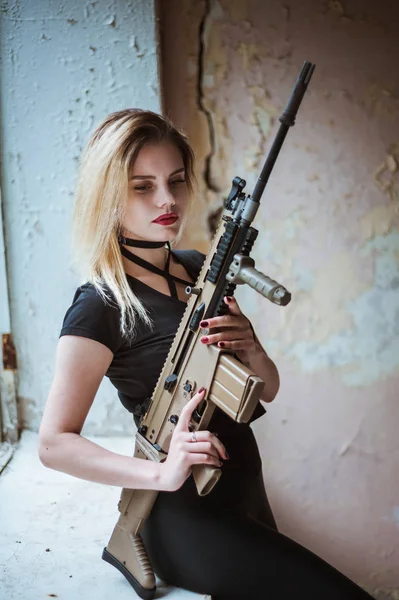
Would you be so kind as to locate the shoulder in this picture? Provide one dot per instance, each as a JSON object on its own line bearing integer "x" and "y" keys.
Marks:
{"x": 94, "y": 314}
{"x": 191, "y": 258}
{"x": 88, "y": 297}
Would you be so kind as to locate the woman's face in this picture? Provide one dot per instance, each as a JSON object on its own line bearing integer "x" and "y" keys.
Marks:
{"x": 157, "y": 194}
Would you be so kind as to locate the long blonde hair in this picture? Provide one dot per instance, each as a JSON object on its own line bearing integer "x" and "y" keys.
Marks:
{"x": 101, "y": 196}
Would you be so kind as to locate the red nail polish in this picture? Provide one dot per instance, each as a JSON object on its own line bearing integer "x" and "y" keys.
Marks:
{"x": 204, "y": 340}
{"x": 204, "y": 324}
{"x": 229, "y": 298}
{"x": 221, "y": 344}
{"x": 201, "y": 390}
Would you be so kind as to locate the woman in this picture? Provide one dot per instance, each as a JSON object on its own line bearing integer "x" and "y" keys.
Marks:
{"x": 134, "y": 191}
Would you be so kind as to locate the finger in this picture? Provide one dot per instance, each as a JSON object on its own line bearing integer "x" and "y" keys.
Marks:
{"x": 203, "y": 448}
{"x": 232, "y": 303}
{"x": 186, "y": 413}
{"x": 221, "y": 448}
{"x": 238, "y": 321}
{"x": 198, "y": 459}
{"x": 228, "y": 335}
{"x": 211, "y": 439}
{"x": 237, "y": 345}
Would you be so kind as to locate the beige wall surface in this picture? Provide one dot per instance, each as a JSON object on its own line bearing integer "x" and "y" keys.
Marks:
{"x": 328, "y": 230}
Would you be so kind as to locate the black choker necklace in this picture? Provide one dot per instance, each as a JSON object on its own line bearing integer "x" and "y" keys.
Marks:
{"x": 171, "y": 279}
{"x": 139, "y": 243}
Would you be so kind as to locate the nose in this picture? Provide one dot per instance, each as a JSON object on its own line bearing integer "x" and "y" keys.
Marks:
{"x": 165, "y": 197}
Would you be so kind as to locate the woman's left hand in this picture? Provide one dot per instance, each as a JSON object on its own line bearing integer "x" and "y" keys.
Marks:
{"x": 234, "y": 332}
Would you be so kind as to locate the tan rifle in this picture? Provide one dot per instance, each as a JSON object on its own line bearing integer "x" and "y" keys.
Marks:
{"x": 230, "y": 385}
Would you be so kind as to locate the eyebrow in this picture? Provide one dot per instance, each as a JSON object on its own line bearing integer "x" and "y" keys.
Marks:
{"x": 153, "y": 176}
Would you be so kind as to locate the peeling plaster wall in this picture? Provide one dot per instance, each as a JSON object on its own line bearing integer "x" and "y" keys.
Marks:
{"x": 65, "y": 66}
{"x": 329, "y": 231}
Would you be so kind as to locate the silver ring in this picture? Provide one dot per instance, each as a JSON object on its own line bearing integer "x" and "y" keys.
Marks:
{"x": 193, "y": 436}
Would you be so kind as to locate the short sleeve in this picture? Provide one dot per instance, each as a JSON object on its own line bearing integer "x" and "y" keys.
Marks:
{"x": 93, "y": 317}
{"x": 192, "y": 260}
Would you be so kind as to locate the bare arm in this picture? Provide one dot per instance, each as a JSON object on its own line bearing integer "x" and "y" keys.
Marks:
{"x": 264, "y": 367}
{"x": 80, "y": 366}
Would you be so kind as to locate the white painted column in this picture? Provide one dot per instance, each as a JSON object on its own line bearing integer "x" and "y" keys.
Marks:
{"x": 66, "y": 65}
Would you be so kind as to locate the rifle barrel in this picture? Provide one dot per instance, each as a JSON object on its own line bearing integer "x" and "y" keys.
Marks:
{"x": 287, "y": 120}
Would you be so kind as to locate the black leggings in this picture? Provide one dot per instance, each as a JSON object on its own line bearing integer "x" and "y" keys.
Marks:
{"x": 227, "y": 545}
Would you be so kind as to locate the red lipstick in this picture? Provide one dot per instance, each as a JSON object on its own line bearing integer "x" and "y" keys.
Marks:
{"x": 166, "y": 219}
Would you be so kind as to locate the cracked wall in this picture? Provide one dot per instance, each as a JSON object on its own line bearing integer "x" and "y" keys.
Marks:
{"x": 328, "y": 230}
{"x": 65, "y": 66}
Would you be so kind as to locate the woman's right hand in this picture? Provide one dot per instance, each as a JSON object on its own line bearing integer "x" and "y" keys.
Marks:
{"x": 184, "y": 452}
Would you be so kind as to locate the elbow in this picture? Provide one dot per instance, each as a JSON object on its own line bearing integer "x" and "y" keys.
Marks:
{"x": 46, "y": 449}
{"x": 276, "y": 386}
{"x": 54, "y": 449}
{"x": 44, "y": 453}
{"x": 270, "y": 391}
{"x": 268, "y": 396}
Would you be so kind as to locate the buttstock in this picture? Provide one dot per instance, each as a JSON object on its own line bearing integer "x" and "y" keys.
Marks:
{"x": 205, "y": 477}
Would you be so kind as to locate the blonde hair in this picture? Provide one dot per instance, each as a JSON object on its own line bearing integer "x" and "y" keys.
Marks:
{"x": 101, "y": 196}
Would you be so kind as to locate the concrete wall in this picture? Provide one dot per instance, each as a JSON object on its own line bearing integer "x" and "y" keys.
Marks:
{"x": 329, "y": 222}
{"x": 65, "y": 66}
{"x": 329, "y": 232}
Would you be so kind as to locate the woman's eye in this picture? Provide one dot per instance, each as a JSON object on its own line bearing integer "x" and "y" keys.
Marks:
{"x": 142, "y": 188}
{"x": 146, "y": 187}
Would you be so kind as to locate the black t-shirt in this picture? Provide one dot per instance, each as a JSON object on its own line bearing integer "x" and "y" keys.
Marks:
{"x": 137, "y": 364}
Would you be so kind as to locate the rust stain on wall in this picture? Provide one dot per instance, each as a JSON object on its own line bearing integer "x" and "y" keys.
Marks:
{"x": 9, "y": 353}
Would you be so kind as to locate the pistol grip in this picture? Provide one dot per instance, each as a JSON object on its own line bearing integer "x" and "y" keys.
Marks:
{"x": 205, "y": 477}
